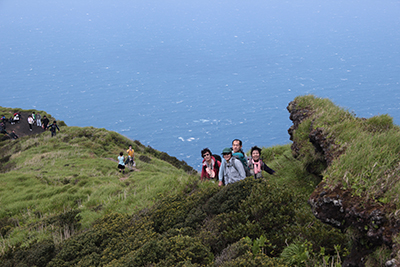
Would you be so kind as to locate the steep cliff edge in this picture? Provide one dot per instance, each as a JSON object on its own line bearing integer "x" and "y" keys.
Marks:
{"x": 358, "y": 162}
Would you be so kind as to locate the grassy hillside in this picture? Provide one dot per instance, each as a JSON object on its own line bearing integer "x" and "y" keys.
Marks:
{"x": 364, "y": 152}
{"x": 63, "y": 202}
{"x": 75, "y": 172}
{"x": 358, "y": 160}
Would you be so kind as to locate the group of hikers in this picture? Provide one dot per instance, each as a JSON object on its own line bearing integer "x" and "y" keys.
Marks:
{"x": 32, "y": 120}
{"x": 234, "y": 166}
{"x": 130, "y": 160}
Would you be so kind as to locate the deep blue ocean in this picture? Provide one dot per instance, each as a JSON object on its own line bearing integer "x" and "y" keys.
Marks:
{"x": 184, "y": 75}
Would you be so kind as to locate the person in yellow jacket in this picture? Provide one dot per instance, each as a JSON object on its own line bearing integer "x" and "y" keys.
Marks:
{"x": 131, "y": 157}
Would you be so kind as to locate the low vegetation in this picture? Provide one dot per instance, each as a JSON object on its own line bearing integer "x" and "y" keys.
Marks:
{"x": 63, "y": 202}
{"x": 366, "y": 151}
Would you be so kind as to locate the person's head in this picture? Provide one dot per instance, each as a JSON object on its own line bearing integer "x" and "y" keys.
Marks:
{"x": 227, "y": 153}
{"x": 236, "y": 145}
{"x": 54, "y": 122}
{"x": 121, "y": 153}
{"x": 130, "y": 146}
{"x": 206, "y": 154}
{"x": 255, "y": 153}
{"x": 44, "y": 116}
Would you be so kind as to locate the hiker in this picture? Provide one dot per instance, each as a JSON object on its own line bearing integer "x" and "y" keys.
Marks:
{"x": 256, "y": 165}
{"x": 53, "y": 128}
{"x": 210, "y": 165}
{"x": 13, "y": 135}
{"x": 231, "y": 170}
{"x": 3, "y": 119}
{"x": 38, "y": 120}
{"x": 131, "y": 156}
{"x": 15, "y": 119}
{"x": 3, "y": 128}
{"x": 45, "y": 122}
{"x": 121, "y": 163}
{"x": 33, "y": 117}
{"x": 239, "y": 154}
{"x": 30, "y": 122}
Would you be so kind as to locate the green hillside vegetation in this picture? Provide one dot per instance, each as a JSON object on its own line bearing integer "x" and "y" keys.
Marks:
{"x": 369, "y": 149}
{"x": 63, "y": 202}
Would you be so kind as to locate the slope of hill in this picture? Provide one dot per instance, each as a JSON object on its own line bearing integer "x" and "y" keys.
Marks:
{"x": 359, "y": 162}
{"x": 63, "y": 203}
{"x": 44, "y": 178}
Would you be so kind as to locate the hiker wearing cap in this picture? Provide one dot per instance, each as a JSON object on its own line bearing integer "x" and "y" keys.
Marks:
{"x": 231, "y": 170}
{"x": 256, "y": 165}
{"x": 210, "y": 165}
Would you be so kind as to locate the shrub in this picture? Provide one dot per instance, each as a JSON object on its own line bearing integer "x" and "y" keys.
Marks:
{"x": 379, "y": 123}
{"x": 249, "y": 260}
{"x": 38, "y": 254}
{"x": 229, "y": 197}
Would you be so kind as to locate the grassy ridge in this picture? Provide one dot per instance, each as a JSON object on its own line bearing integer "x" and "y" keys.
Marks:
{"x": 369, "y": 149}
{"x": 76, "y": 170}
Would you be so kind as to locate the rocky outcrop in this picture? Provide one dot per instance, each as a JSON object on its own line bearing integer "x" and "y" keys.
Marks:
{"x": 339, "y": 207}
{"x": 296, "y": 116}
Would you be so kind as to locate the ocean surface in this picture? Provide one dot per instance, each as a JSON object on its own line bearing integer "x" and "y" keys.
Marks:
{"x": 184, "y": 75}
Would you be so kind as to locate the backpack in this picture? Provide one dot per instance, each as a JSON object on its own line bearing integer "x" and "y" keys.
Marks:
{"x": 217, "y": 157}
{"x": 245, "y": 167}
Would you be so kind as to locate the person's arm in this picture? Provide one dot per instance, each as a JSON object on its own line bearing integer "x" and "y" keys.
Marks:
{"x": 267, "y": 169}
{"x": 221, "y": 173}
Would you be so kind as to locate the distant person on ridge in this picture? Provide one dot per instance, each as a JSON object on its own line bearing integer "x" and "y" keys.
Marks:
{"x": 15, "y": 119}
{"x": 256, "y": 165}
{"x": 13, "y": 135}
{"x": 45, "y": 122}
{"x": 33, "y": 117}
{"x": 232, "y": 169}
{"x": 121, "y": 163}
{"x": 3, "y": 128}
{"x": 30, "y": 122}
{"x": 53, "y": 128}
{"x": 38, "y": 120}
{"x": 131, "y": 156}
{"x": 210, "y": 165}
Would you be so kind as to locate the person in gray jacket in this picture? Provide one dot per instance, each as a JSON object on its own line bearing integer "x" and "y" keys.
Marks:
{"x": 231, "y": 169}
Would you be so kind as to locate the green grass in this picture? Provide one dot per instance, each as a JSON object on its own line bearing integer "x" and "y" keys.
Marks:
{"x": 370, "y": 148}
{"x": 63, "y": 188}
{"x": 288, "y": 169}
{"x": 73, "y": 171}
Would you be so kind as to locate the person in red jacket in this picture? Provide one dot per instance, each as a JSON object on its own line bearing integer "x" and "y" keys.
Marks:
{"x": 210, "y": 166}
